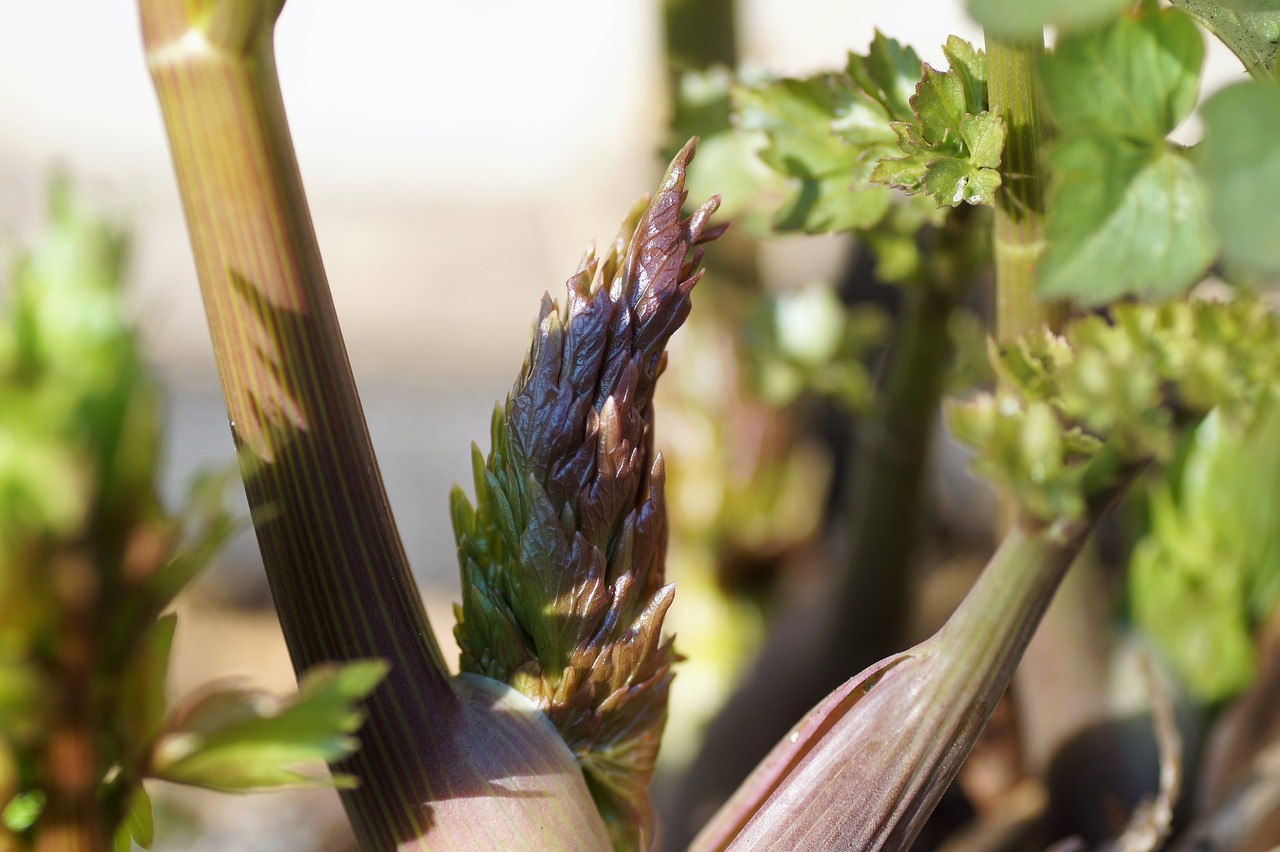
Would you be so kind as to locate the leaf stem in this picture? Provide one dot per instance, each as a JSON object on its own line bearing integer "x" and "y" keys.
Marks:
{"x": 872, "y": 594}
{"x": 896, "y": 735}
{"x": 1051, "y": 705}
{"x": 1020, "y": 201}
{"x": 337, "y": 570}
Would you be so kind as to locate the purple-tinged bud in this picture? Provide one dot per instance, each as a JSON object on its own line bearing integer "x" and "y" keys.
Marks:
{"x": 562, "y": 555}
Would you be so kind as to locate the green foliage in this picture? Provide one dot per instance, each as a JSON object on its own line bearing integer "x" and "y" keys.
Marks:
{"x": 952, "y": 145}
{"x": 239, "y": 739}
{"x": 808, "y": 342}
{"x": 22, "y": 811}
{"x": 1075, "y": 413}
{"x": 1242, "y": 163}
{"x": 831, "y": 174}
{"x": 727, "y": 164}
{"x": 1251, "y": 28}
{"x": 842, "y": 137}
{"x": 89, "y": 559}
{"x": 1028, "y": 18}
{"x": 138, "y": 826}
{"x": 1128, "y": 211}
{"x": 1208, "y": 573}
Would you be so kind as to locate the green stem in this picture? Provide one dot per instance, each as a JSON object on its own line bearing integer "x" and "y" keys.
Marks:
{"x": 1019, "y": 219}
{"x": 1053, "y": 701}
{"x": 700, "y": 33}
{"x": 872, "y": 595}
{"x": 337, "y": 570}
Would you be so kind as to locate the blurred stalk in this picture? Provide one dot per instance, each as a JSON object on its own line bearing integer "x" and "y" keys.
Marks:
{"x": 700, "y": 33}
{"x": 72, "y": 820}
{"x": 338, "y": 573}
{"x": 1053, "y": 702}
{"x": 871, "y": 602}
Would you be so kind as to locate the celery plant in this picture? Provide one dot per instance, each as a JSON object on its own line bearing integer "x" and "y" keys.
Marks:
{"x": 549, "y": 737}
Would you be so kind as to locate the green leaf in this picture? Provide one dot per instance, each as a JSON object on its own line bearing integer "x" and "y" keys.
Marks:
{"x": 973, "y": 179}
{"x": 1124, "y": 219}
{"x": 952, "y": 148}
{"x": 1208, "y": 572}
{"x": 888, "y": 75}
{"x": 1251, "y": 28}
{"x": 236, "y": 740}
{"x": 728, "y": 163}
{"x": 23, "y": 810}
{"x": 138, "y": 826}
{"x": 1025, "y": 18}
{"x": 1241, "y": 161}
{"x": 1135, "y": 79}
{"x": 939, "y": 105}
{"x": 140, "y": 696}
{"x": 1127, "y": 212}
{"x": 970, "y": 64}
{"x": 825, "y": 136}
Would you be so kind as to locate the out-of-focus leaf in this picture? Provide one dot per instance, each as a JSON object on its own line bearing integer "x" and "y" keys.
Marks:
{"x": 1208, "y": 573}
{"x": 1136, "y": 78}
{"x": 1251, "y": 28}
{"x": 808, "y": 342}
{"x": 237, "y": 740}
{"x": 1028, "y": 18}
{"x": 23, "y": 810}
{"x": 727, "y": 164}
{"x": 140, "y": 694}
{"x": 1242, "y": 166}
{"x": 138, "y": 826}
{"x": 1124, "y": 220}
{"x": 800, "y": 118}
{"x": 1128, "y": 212}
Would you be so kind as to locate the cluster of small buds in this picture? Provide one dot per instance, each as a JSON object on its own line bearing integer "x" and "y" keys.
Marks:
{"x": 562, "y": 555}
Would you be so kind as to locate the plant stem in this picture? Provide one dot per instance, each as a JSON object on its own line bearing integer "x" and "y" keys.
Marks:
{"x": 337, "y": 570}
{"x": 72, "y": 820}
{"x": 1053, "y": 702}
{"x": 896, "y": 735}
{"x": 872, "y": 594}
{"x": 700, "y": 33}
{"x": 1019, "y": 220}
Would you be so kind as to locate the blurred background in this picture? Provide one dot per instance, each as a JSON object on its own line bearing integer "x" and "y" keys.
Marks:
{"x": 458, "y": 158}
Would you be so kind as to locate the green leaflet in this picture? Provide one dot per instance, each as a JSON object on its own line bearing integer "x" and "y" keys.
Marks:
{"x": 1124, "y": 219}
{"x": 1251, "y": 28}
{"x": 830, "y": 175}
{"x": 21, "y": 812}
{"x": 1127, "y": 212}
{"x": 236, "y": 740}
{"x": 952, "y": 146}
{"x": 842, "y": 138}
{"x": 1241, "y": 161}
{"x": 138, "y": 826}
{"x": 1208, "y": 572}
{"x": 1076, "y": 411}
{"x": 1028, "y": 18}
{"x": 1134, "y": 79}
